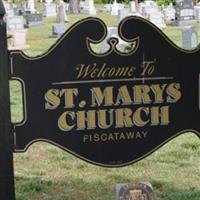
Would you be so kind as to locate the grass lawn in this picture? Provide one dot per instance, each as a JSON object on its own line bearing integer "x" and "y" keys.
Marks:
{"x": 45, "y": 172}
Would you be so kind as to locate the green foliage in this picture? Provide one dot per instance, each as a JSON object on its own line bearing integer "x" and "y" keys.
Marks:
{"x": 165, "y": 2}
{"x": 103, "y": 1}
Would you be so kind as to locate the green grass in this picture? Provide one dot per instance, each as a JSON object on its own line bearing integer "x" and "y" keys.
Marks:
{"x": 45, "y": 172}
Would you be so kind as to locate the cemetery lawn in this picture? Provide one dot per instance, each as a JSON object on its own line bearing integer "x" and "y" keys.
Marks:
{"x": 45, "y": 172}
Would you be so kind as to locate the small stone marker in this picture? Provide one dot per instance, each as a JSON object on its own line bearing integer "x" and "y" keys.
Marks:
{"x": 58, "y": 30}
{"x": 134, "y": 191}
{"x": 189, "y": 37}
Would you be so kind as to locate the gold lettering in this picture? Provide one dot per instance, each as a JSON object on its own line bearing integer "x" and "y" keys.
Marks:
{"x": 84, "y": 71}
{"x": 52, "y": 99}
{"x": 102, "y": 118}
{"x": 98, "y": 96}
{"x": 123, "y": 96}
{"x": 159, "y": 115}
{"x": 158, "y": 91}
{"x": 83, "y": 117}
{"x": 62, "y": 121}
{"x": 123, "y": 117}
{"x": 174, "y": 93}
{"x": 137, "y": 116}
{"x": 69, "y": 96}
{"x": 141, "y": 94}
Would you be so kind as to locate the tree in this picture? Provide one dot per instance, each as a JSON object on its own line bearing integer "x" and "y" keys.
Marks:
{"x": 74, "y": 6}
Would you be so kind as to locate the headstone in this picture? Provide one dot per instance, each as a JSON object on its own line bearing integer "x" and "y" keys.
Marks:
{"x": 134, "y": 191}
{"x": 197, "y": 13}
{"x": 8, "y": 8}
{"x": 157, "y": 18}
{"x": 89, "y": 8}
{"x": 184, "y": 13}
{"x": 189, "y": 38}
{"x": 58, "y": 30}
{"x": 33, "y": 20}
{"x": 169, "y": 13}
{"x": 107, "y": 7}
{"x": 15, "y": 23}
{"x": 149, "y": 10}
{"x": 17, "y": 41}
{"x": 61, "y": 16}
{"x": 122, "y": 14}
{"x": 30, "y": 7}
{"x": 114, "y": 8}
{"x": 66, "y": 7}
{"x": 49, "y": 10}
{"x": 133, "y": 6}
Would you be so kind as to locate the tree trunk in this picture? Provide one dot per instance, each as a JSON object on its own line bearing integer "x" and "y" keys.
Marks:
{"x": 74, "y": 6}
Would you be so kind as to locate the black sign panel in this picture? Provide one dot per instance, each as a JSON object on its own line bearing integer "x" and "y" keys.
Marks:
{"x": 109, "y": 109}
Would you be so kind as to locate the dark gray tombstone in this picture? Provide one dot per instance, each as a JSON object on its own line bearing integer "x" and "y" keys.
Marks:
{"x": 15, "y": 23}
{"x": 58, "y": 29}
{"x": 184, "y": 13}
{"x": 134, "y": 191}
{"x": 189, "y": 38}
{"x": 33, "y": 20}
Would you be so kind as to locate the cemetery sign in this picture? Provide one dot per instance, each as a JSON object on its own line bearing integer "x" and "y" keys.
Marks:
{"x": 110, "y": 109}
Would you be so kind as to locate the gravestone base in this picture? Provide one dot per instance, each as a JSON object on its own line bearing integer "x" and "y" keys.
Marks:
{"x": 185, "y": 22}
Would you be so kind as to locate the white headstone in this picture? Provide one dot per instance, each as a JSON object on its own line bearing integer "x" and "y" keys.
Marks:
{"x": 149, "y": 10}
{"x": 31, "y": 6}
{"x": 114, "y": 8}
{"x": 89, "y": 8}
{"x": 49, "y": 10}
{"x": 169, "y": 13}
{"x": 122, "y": 14}
{"x": 18, "y": 40}
{"x": 61, "y": 14}
{"x": 48, "y": 1}
{"x": 197, "y": 13}
{"x": 133, "y": 6}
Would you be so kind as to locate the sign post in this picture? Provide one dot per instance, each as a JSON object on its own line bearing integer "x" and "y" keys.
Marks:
{"x": 6, "y": 136}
